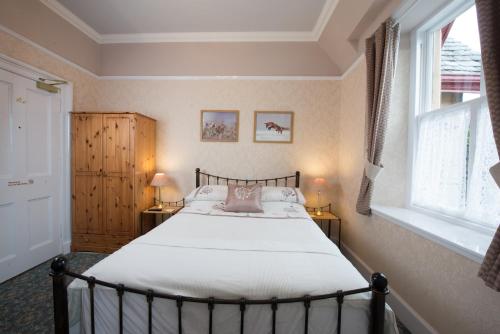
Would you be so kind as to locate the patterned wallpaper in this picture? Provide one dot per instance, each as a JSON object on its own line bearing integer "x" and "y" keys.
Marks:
{"x": 176, "y": 105}
{"x": 328, "y": 142}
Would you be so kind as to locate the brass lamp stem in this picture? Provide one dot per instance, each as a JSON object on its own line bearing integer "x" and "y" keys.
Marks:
{"x": 160, "y": 204}
{"x": 318, "y": 212}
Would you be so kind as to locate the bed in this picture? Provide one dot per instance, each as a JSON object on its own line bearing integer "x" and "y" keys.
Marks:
{"x": 210, "y": 271}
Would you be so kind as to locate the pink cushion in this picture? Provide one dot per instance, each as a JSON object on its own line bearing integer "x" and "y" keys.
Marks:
{"x": 244, "y": 198}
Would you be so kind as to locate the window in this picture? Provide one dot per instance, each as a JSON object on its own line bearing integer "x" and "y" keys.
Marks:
{"x": 453, "y": 145}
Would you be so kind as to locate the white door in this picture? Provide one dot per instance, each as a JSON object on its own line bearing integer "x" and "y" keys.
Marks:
{"x": 30, "y": 174}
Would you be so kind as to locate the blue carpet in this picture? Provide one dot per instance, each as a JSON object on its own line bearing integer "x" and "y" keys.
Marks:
{"x": 26, "y": 300}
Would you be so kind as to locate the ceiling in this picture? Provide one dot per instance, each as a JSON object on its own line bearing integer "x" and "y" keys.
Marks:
{"x": 119, "y": 21}
{"x": 145, "y": 32}
{"x": 157, "y": 16}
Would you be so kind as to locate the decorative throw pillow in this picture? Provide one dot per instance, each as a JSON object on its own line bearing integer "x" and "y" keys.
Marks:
{"x": 282, "y": 194}
{"x": 244, "y": 198}
{"x": 208, "y": 193}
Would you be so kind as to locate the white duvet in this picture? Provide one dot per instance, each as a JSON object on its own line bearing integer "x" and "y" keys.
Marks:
{"x": 205, "y": 252}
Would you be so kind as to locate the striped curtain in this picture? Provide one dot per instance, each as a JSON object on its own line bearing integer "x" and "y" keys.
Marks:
{"x": 489, "y": 33}
{"x": 381, "y": 55}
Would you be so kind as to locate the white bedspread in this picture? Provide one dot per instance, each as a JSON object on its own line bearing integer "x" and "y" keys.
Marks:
{"x": 203, "y": 251}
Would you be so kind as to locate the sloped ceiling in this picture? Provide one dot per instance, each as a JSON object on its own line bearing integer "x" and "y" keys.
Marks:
{"x": 350, "y": 24}
{"x": 205, "y": 38}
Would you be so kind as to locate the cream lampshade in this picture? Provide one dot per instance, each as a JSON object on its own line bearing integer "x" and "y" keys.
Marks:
{"x": 319, "y": 182}
{"x": 159, "y": 180}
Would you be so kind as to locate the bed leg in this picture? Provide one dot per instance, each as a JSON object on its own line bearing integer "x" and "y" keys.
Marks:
{"x": 61, "y": 319}
{"x": 379, "y": 291}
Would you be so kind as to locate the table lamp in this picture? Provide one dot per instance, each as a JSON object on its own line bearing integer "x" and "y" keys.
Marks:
{"x": 159, "y": 180}
{"x": 319, "y": 182}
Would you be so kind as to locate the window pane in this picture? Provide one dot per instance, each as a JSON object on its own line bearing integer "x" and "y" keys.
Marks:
{"x": 441, "y": 161}
{"x": 483, "y": 204}
{"x": 456, "y": 69}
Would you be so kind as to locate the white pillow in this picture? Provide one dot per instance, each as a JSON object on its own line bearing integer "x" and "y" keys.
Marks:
{"x": 208, "y": 193}
{"x": 282, "y": 194}
{"x": 269, "y": 194}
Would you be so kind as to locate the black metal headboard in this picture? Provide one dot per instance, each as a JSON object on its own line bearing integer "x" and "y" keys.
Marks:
{"x": 276, "y": 181}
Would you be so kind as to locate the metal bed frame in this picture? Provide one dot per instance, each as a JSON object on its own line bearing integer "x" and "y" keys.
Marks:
{"x": 268, "y": 182}
{"x": 61, "y": 273}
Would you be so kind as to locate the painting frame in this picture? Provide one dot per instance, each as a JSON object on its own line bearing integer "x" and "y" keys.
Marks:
{"x": 276, "y": 114}
{"x": 222, "y": 115}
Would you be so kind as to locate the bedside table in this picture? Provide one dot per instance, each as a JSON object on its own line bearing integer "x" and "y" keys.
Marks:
{"x": 164, "y": 214}
{"x": 328, "y": 216}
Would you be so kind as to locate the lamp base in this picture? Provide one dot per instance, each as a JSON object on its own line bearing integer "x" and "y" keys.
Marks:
{"x": 318, "y": 212}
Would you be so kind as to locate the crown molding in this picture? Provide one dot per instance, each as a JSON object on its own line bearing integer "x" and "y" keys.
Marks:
{"x": 78, "y": 23}
{"x": 47, "y": 51}
{"x": 161, "y": 77}
{"x": 261, "y": 36}
{"x": 254, "y": 36}
{"x": 324, "y": 17}
{"x": 353, "y": 66}
{"x": 406, "y": 7}
{"x": 222, "y": 77}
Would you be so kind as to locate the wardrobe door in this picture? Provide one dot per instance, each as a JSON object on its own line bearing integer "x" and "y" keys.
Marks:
{"x": 87, "y": 143}
{"x": 87, "y": 204}
{"x": 118, "y": 201}
{"x": 87, "y": 188}
{"x": 118, "y": 187}
{"x": 117, "y": 145}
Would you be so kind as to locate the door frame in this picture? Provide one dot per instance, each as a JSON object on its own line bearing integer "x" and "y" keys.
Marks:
{"x": 25, "y": 70}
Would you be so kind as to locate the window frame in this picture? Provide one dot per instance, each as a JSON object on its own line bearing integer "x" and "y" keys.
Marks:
{"x": 420, "y": 102}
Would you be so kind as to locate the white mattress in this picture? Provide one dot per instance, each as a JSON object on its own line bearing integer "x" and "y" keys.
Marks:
{"x": 204, "y": 252}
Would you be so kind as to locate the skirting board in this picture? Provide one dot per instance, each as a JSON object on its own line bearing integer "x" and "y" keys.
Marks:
{"x": 411, "y": 319}
{"x": 66, "y": 247}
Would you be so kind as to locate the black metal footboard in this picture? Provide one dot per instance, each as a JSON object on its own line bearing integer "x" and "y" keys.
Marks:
{"x": 60, "y": 274}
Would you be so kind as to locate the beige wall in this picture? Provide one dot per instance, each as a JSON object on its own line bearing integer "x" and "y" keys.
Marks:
{"x": 176, "y": 105}
{"x": 351, "y": 22}
{"x": 33, "y": 20}
{"x": 332, "y": 55}
{"x": 85, "y": 85}
{"x": 263, "y": 58}
{"x": 441, "y": 285}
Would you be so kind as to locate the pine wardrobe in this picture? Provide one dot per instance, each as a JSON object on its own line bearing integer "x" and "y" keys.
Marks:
{"x": 113, "y": 162}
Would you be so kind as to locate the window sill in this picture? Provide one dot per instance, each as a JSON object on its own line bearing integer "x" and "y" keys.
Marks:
{"x": 467, "y": 242}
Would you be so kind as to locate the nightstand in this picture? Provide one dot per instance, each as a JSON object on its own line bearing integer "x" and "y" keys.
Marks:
{"x": 159, "y": 216}
{"x": 328, "y": 216}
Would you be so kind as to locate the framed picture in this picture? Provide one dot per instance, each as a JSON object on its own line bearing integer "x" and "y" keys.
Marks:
{"x": 220, "y": 125}
{"x": 273, "y": 127}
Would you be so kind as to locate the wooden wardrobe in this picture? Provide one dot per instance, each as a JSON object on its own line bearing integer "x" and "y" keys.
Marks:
{"x": 113, "y": 162}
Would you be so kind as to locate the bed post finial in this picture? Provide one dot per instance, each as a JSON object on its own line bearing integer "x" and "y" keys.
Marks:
{"x": 58, "y": 269}
{"x": 197, "y": 170}
{"x": 379, "y": 291}
{"x": 297, "y": 179}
